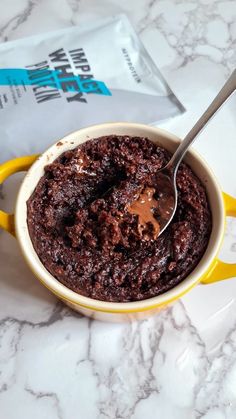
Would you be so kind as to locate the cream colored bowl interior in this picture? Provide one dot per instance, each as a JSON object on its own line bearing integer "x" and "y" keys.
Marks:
{"x": 161, "y": 137}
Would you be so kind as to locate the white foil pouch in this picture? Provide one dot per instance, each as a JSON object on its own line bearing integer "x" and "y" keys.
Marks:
{"x": 54, "y": 83}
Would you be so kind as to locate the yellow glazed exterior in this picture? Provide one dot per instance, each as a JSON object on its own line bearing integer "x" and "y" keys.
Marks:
{"x": 209, "y": 269}
{"x": 20, "y": 164}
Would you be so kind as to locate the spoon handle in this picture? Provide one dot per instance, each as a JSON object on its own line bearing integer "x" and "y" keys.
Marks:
{"x": 226, "y": 91}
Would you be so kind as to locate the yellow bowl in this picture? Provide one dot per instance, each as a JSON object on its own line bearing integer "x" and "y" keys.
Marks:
{"x": 209, "y": 269}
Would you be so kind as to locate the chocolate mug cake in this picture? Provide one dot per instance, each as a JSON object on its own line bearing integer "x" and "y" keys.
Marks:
{"x": 94, "y": 223}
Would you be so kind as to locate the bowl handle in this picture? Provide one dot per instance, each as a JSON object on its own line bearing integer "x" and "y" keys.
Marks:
{"x": 221, "y": 270}
{"x": 20, "y": 164}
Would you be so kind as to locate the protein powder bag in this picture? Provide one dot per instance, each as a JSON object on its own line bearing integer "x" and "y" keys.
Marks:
{"x": 54, "y": 83}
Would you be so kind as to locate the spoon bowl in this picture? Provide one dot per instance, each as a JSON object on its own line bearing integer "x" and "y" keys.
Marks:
{"x": 166, "y": 191}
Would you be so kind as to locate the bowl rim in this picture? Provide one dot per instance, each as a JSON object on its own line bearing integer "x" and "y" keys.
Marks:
{"x": 66, "y": 293}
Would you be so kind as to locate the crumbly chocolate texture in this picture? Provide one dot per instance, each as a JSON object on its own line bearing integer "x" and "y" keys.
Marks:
{"x": 86, "y": 238}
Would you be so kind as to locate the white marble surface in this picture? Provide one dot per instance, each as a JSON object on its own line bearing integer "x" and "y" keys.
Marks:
{"x": 180, "y": 364}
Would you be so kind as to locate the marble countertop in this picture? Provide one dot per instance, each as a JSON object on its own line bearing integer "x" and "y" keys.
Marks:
{"x": 181, "y": 363}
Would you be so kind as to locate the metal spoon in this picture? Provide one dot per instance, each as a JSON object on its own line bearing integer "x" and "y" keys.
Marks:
{"x": 165, "y": 178}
